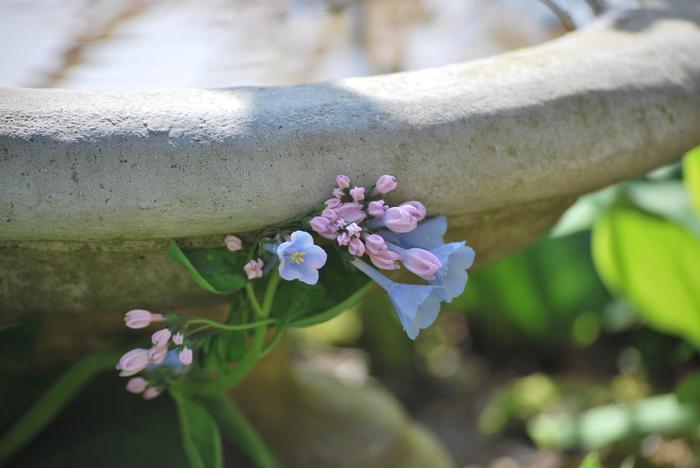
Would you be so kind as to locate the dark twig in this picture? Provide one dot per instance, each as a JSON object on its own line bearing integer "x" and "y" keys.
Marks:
{"x": 564, "y": 17}
{"x": 596, "y": 6}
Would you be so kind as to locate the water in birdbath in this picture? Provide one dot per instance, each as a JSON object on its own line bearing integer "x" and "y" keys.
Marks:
{"x": 130, "y": 44}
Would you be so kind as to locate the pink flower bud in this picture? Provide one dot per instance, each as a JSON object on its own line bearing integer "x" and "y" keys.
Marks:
{"x": 136, "y": 385}
{"x": 343, "y": 181}
{"x": 377, "y": 208}
{"x": 399, "y": 220}
{"x": 186, "y": 356}
{"x": 343, "y": 239}
{"x": 356, "y": 247}
{"x": 385, "y": 184}
{"x": 416, "y": 208}
{"x": 386, "y": 260}
{"x": 139, "y": 318}
{"x": 233, "y": 243}
{"x": 178, "y": 339}
{"x": 161, "y": 337}
{"x": 331, "y": 233}
{"x": 351, "y": 212}
{"x": 151, "y": 393}
{"x": 329, "y": 214}
{"x": 319, "y": 224}
{"x": 133, "y": 362}
{"x": 375, "y": 244}
{"x": 254, "y": 268}
{"x": 421, "y": 262}
{"x": 333, "y": 203}
{"x": 338, "y": 193}
{"x": 354, "y": 230}
{"x": 358, "y": 194}
{"x": 157, "y": 354}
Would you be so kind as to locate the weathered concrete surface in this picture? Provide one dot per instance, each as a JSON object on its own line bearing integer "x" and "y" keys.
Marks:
{"x": 501, "y": 145}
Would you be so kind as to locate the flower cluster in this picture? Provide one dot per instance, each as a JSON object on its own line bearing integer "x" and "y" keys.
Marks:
{"x": 361, "y": 223}
{"x": 158, "y": 362}
{"x": 364, "y": 228}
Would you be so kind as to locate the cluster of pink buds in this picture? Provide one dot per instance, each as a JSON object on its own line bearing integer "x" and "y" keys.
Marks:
{"x": 140, "y": 359}
{"x": 353, "y": 214}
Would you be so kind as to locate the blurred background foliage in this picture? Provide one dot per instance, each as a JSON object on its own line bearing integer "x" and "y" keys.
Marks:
{"x": 585, "y": 340}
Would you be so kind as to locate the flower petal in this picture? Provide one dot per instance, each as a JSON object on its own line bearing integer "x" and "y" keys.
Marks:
{"x": 308, "y": 275}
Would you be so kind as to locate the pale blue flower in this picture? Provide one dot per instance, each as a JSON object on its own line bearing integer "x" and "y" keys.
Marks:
{"x": 416, "y": 305}
{"x": 427, "y": 235}
{"x": 456, "y": 258}
{"x": 300, "y": 258}
{"x": 171, "y": 360}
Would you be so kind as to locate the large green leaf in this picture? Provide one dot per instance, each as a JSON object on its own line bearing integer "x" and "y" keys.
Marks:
{"x": 591, "y": 461}
{"x": 691, "y": 176}
{"x": 339, "y": 287}
{"x": 200, "y": 434}
{"x": 537, "y": 295}
{"x": 216, "y": 269}
{"x": 667, "y": 199}
{"x": 17, "y": 341}
{"x": 105, "y": 426}
{"x": 54, "y": 398}
{"x": 655, "y": 263}
{"x": 688, "y": 390}
{"x": 229, "y": 346}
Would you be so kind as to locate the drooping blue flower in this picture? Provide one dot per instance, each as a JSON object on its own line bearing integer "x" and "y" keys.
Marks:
{"x": 417, "y": 305}
{"x": 427, "y": 235}
{"x": 300, "y": 258}
{"x": 456, "y": 258}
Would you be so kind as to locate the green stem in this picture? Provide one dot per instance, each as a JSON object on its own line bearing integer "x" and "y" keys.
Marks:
{"x": 279, "y": 333}
{"x": 223, "y": 326}
{"x": 236, "y": 428}
{"x": 253, "y": 300}
{"x": 270, "y": 293}
{"x": 198, "y": 329}
{"x": 52, "y": 401}
{"x": 253, "y": 354}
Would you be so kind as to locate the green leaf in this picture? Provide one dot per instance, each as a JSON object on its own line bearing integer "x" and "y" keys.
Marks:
{"x": 339, "y": 288}
{"x": 96, "y": 426}
{"x": 591, "y": 461}
{"x": 334, "y": 311}
{"x": 688, "y": 390}
{"x": 238, "y": 430}
{"x": 51, "y": 402}
{"x": 655, "y": 264}
{"x": 217, "y": 269}
{"x": 17, "y": 341}
{"x": 582, "y": 214}
{"x": 200, "y": 434}
{"x": 667, "y": 199}
{"x": 691, "y": 176}
{"x": 533, "y": 295}
{"x": 229, "y": 346}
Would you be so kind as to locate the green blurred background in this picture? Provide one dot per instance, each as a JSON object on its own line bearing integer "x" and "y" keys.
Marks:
{"x": 583, "y": 343}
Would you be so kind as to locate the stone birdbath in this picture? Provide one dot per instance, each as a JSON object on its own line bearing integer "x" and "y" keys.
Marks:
{"x": 93, "y": 184}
